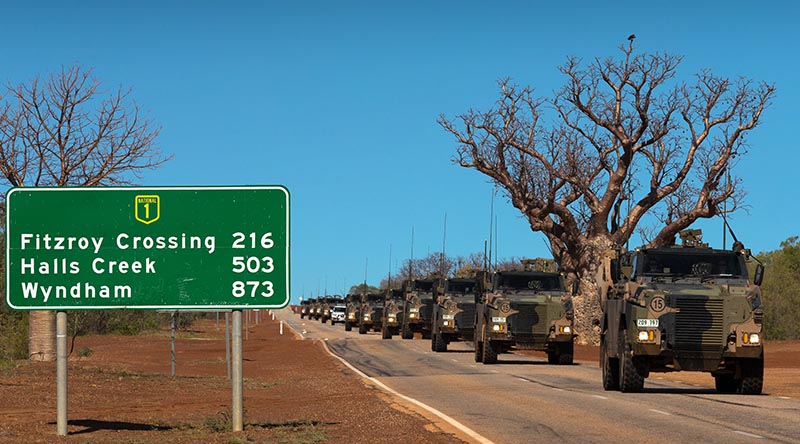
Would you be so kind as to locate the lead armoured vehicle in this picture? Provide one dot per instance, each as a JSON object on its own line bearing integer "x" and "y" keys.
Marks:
{"x": 305, "y": 306}
{"x": 453, "y": 312}
{"x": 352, "y": 312}
{"x": 417, "y": 308}
{"x": 685, "y": 307}
{"x": 371, "y": 312}
{"x": 392, "y": 312}
{"x": 528, "y": 309}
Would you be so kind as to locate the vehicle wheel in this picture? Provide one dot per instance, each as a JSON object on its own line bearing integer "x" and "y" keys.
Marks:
{"x": 753, "y": 377}
{"x": 478, "y": 349}
{"x": 324, "y": 321}
{"x": 362, "y": 329}
{"x": 610, "y": 369}
{"x": 386, "y": 333}
{"x": 726, "y": 384}
{"x": 553, "y": 357}
{"x": 566, "y": 353}
{"x": 333, "y": 322}
{"x": 632, "y": 372}
{"x": 490, "y": 352}
{"x": 302, "y": 316}
{"x": 438, "y": 343}
{"x": 407, "y": 333}
{"x": 348, "y": 326}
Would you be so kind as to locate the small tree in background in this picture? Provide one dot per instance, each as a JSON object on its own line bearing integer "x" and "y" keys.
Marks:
{"x": 65, "y": 131}
{"x": 620, "y": 140}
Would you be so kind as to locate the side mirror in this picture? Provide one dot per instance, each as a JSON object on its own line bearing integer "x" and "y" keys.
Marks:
{"x": 758, "y": 278}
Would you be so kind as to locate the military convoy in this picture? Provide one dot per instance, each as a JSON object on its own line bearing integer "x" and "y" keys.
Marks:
{"x": 528, "y": 309}
{"x": 686, "y": 307}
{"x": 417, "y": 308}
{"x": 453, "y": 312}
{"x": 392, "y": 317}
{"x": 683, "y": 307}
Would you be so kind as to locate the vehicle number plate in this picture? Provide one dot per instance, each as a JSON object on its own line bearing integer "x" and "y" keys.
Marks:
{"x": 647, "y": 322}
{"x": 448, "y": 317}
{"x": 495, "y": 319}
{"x": 413, "y": 310}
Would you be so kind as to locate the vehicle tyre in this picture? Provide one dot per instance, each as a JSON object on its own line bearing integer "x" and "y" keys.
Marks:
{"x": 610, "y": 369}
{"x": 324, "y": 321}
{"x": 438, "y": 343}
{"x": 386, "y": 333}
{"x": 752, "y": 381}
{"x": 333, "y": 322}
{"x": 632, "y": 373}
{"x": 407, "y": 333}
{"x": 362, "y": 329}
{"x": 478, "y": 349}
{"x": 490, "y": 352}
{"x": 348, "y": 326}
{"x": 552, "y": 357}
{"x": 567, "y": 351}
{"x": 726, "y": 384}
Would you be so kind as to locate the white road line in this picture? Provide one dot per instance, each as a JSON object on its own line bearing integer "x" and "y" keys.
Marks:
{"x": 784, "y": 397}
{"x": 494, "y": 371}
{"x": 454, "y": 360}
{"x": 748, "y": 434}
{"x": 557, "y": 389}
{"x": 464, "y": 429}
{"x": 659, "y": 411}
{"x": 599, "y": 397}
{"x": 523, "y": 379}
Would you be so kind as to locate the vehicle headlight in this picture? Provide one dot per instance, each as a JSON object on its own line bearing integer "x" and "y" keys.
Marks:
{"x": 392, "y": 319}
{"x": 647, "y": 335}
{"x": 751, "y": 338}
{"x": 498, "y": 327}
{"x": 351, "y": 316}
{"x": 412, "y": 316}
{"x": 366, "y": 318}
{"x": 446, "y": 323}
{"x": 564, "y": 329}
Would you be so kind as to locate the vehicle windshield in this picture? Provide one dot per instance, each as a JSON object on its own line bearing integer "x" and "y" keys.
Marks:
{"x": 460, "y": 286}
{"x": 423, "y": 286}
{"x": 374, "y": 297}
{"x": 529, "y": 282}
{"x": 670, "y": 263}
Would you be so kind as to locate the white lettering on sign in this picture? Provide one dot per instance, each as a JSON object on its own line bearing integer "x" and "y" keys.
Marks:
{"x": 182, "y": 242}
{"x": 85, "y": 290}
{"x": 47, "y": 242}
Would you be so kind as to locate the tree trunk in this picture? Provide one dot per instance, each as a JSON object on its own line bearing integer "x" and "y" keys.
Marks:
{"x": 42, "y": 336}
{"x": 587, "y": 302}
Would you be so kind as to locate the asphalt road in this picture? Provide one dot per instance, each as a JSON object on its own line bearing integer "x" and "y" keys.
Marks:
{"x": 525, "y": 400}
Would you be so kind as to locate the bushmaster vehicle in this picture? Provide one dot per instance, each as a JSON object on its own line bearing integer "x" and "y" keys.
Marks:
{"x": 352, "y": 313}
{"x": 527, "y": 309}
{"x": 417, "y": 308}
{"x": 371, "y": 312}
{"x": 392, "y": 313}
{"x": 305, "y": 306}
{"x": 685, "y": 307}
{"x": 316, "y": 308}
{"x": 453, "y": 312}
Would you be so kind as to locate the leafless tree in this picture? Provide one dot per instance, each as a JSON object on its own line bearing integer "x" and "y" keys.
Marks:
{"x": 622, "y": 139}
{"x": 64, "y": 130}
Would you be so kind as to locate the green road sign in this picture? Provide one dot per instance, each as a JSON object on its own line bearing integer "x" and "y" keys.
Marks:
{"x": 147, "y": 248}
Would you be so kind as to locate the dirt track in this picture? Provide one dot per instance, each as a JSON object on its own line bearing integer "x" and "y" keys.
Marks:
{"x": 294, "y": 393}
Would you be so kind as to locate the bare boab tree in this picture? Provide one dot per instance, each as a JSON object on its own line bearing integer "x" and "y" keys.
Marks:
{"x": 65, "y": 131}
{"x": 621, "y": 140}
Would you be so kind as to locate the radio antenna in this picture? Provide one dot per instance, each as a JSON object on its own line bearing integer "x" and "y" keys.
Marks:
{"x": 411, "y": 261}
{"x": 491, "y": 220}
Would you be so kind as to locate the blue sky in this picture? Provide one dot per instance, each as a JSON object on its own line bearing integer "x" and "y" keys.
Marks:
{"x": 338, "y": 101}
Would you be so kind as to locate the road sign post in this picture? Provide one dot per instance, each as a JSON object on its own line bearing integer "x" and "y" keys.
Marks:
{"x": 160, "y": 248}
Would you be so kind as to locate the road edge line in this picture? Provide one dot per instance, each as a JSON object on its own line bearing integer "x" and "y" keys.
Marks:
{"x": 453, "y": 422}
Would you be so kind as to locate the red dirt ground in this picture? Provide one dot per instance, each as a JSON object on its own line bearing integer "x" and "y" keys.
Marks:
{"x": 293, "y": 393}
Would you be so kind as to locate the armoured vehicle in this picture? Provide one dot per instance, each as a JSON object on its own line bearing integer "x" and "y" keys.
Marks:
{"x": 352, "y": 312}
{"x": 371, "y": 312}
{"x": 685, "y": 307}
{"x": 527, "y": 309}
{"x": 453, "y": 312}
{"x": 392, "y": 317}
{"x": 324, "y": 309}
{"x": 316, "y": 308}
{"x": 417, "y": 308}
{"x": 327, "y": 306}
{"x": 305, "y": 307}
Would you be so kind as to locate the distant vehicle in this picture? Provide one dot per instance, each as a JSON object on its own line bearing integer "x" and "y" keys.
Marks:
{"x": 528, "y": 309}
{"x": 453, "y": 312}
{"x": 685, "y": 307}
{"x": 337, "y": 313}
{"x": 316, "y": 308}
{"x": 371, "y": 312}
{"x": 328, "y": 302}
{"x": 353, "y": 311}
{"x": 417, "y": 308}
{"x": 392, "y": 317}
{"x": 305, "y": 307}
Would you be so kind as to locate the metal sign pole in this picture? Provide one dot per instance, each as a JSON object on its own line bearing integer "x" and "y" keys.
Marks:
{"x": 237, "y": 371}
{"x": 61, "y": 372}
{"x": 172, "y": 345}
